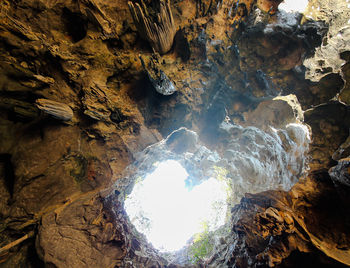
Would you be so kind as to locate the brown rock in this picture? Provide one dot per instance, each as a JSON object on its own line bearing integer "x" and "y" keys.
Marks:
{"x": 56, "y": 109}
{"x": 269, "y": 6}
{"x": 228, "y": 59}
{"x": 82, "y": 245}
{"x": 329, "y": 126}
{"x": 160, "y": 33}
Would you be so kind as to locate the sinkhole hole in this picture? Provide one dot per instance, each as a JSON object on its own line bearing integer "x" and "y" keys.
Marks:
{"x": 181, "y": 195}
{"x": 294, "y": 6}
{"x": 170, "y": 211}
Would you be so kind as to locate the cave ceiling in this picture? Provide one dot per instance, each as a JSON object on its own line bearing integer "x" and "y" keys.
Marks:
{"x": 89, "y": 89}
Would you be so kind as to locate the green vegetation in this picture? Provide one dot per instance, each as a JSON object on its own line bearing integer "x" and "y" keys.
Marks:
{"x": 202, "y": 245}
{"x": 221, "y": 175}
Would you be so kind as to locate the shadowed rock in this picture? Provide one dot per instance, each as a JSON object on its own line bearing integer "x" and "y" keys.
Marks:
{"x": 159, "y": 34}
{"x": 158, "y": 78}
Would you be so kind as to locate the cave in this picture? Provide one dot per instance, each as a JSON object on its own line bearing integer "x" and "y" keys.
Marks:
{"x": 183, "y": 133}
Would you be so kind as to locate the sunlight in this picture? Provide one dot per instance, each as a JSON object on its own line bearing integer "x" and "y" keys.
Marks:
{"x": 168, "y": 213}
{"x": 294, "y": 5}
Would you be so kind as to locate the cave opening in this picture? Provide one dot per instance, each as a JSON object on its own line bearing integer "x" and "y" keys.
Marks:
{"x": 179, "y": 195}
{"x": 171, "y": 211}
{"x": 170, "y": 133}
{"x": 294, "y": 6}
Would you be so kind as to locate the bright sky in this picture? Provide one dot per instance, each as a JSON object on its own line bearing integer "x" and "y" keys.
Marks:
{"x": 176, "y": 213}
{"x": 293, "y": 5}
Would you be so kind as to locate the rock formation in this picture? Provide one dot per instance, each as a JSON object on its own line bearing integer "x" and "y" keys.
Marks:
{"x": 81, "y": 117}
{"x": 56, "y": 109}
{"x": 157, "y": 77}
{"x": 160, "y": 32}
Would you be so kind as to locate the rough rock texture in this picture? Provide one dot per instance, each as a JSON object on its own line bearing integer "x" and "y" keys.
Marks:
{"x": 327, "y": 58}
{"x": 290, "y": 229}
{"x": 160, "y": 32}
{"x": 229, "y": 62}
{"x": 330, "y": 125}
{"x": 157, "y": 77}
{"x": 97, "y": 239}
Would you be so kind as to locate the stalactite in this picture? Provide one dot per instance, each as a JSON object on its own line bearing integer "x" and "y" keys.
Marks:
{"x": 160, "y": 34}
{"x": 161, "y": 82}
{"x": 56, "y": 109}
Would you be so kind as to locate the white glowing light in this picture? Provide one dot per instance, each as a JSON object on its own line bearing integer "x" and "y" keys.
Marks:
{"x": 293, "y": 5}
{"x": 175, "y": 212}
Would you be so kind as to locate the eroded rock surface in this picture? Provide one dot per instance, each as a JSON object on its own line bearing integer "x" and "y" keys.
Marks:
{"x": 231, "y": 64}
{"x": 306, "y": 226}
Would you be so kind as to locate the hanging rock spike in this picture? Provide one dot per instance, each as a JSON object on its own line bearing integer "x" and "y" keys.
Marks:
{"x": 159, "y": 34}
{"x": 56, "y": 109}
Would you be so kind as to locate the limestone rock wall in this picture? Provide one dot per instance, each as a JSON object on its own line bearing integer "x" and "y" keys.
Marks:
{"x": 228, "y": 58}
